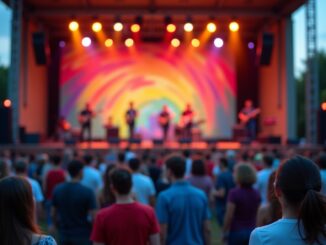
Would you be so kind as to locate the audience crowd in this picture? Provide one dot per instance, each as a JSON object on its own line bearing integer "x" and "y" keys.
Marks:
{"x": 122, "y": 197}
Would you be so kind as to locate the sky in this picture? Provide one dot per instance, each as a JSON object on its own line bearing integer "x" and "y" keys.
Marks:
{"x": 298, "y": 28}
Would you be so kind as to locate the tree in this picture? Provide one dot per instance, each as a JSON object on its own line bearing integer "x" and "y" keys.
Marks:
{"x": 3, "y": 82}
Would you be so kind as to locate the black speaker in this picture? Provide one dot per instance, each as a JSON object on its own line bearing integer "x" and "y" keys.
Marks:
{"x": 5, "y": 125}
{"x": 39, "y": 48}
{"x": 267, "y": 44}
{"x": 322, "y": 127}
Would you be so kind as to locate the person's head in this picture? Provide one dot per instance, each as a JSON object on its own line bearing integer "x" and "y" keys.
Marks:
{"x": 298, "y": 185}
{"x": 56, "y": 160}
{"x": 165, "y": 108}
{"x": 275, "y": 207}
{"x": 248, "y": 103}
{"x": 131, "y": 104}
{"x": 188, "y": 107}
{"x": 20, "y": 167}
{"x": 17, "y": 221}
{"x": 121, "y": 181}
{"x": 88, "y": 159}
{"x": 121, "y": 157}
{"x": 87, "y": 106}
{"x": 224, "y": 164}
{"x": 4, "y": 170}
{"x": 198, "y": 168}
{"x": 134, "y": 164}
{"x": 268, "y": 161}
{"x": 176, "y": 167}
{"x": 75, "y": 169}
{"x": 186, "y": 153}
{"x": 245, "y": 175}
{"x": 322, "y": 161}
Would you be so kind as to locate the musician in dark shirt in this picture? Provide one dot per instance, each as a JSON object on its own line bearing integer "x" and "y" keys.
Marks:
{"x": 164, "y": 121}
{"x": 131, "y": 116}
{"x": 248, "y": 117}
{"x": 85, "y": 120}
{"x": 187, "y": 117}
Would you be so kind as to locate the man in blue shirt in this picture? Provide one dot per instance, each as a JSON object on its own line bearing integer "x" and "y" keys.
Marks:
{"x": 182, "y": 210}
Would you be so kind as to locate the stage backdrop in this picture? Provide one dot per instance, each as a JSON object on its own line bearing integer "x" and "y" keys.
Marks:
{"x": 151, "y": 75}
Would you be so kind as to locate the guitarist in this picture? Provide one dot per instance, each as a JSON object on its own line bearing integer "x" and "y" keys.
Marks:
{"x": 248, "y": 117}
{"x": 187, "y": 120}
{"x": 164, "y": 121}
{"x": 85, "y": 120}
{"x": 131, "y": 115}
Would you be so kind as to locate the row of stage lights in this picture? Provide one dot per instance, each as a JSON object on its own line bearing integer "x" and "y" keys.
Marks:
{"x": 188, "y": 27}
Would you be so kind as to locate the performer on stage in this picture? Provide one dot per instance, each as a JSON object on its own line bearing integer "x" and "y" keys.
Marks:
{"x": 164, "y": 121}
{"x": 85, "y": 120}
{"x": 131, "y": 116}
{"x": 187, "y": 120}
{"x": 63, "y": 128}
{"x": 248, "y": 117}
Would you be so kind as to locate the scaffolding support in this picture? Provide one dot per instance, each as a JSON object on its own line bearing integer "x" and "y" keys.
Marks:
{"x": 14, "y": 71}
{"x": 312, "y": 80}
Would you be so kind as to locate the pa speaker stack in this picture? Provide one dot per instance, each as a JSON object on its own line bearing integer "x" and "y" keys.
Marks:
{"x": 5, "y": 125}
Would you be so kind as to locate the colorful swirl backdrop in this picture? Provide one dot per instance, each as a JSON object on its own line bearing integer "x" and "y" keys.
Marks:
{"x": 150, "y": 75}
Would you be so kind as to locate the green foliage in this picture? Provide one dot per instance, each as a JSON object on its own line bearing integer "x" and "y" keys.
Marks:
{"x": 3, "y": 82}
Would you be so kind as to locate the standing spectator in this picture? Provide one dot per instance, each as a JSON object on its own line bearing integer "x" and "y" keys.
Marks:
{"x": 106, "y": 197}
{"x": 297, "y": 186}
{"x": 72, "y": 205}
{"x": 322, "y": 165}
{"x": 263, "y": 177}
{"x": 182, "y": 209}
{"x": 142, "y": 185}
{"x": 199, "y": 178}
{"x": 188, "y": 159}
{"x": 17, "y": 223}
{"x": 153, "y": 170}
{"x": 4, "y": 169}
{"x": 91, "y": 176}
{"x": 242, "y": 206}
{"x": 224, "y": 183}
{"x": 127, "y": 222}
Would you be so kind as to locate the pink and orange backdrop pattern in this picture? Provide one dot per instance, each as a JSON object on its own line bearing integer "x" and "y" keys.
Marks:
{"x": 150, "y": 75}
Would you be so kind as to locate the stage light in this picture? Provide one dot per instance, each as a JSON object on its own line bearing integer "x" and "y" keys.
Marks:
{"x": 251, "y": 45}
{"x": 86, "y": 42}
{"x": 118, "y": 26}
{"x": 7, "y": 103}
{"x": 211, "y": 27}
{"x": 73, "y": 26}
{"x": 108, "y": 42}
{"x": 195, "y": 42}
{"x": 135, "y": 27}
{"x": 175, "y": 42}
{"x": 97, "y": 26}
{"x": 234, "y": 26}
{"x": 218, "y": 42}
{"x": 323, "y": 106}
{"x": 188, "y": 27}
{"x": 129, "y": 42}
{"x": 171, "y": 28}
{"x": 62, "y": 44}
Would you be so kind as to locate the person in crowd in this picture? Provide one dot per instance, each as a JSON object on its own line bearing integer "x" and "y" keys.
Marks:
{"x": 142, "y": 185}
{"x": 106, "y": 197}
{"x": 17, "y": 211}
{"x": 199, "y": 178}
{"x": 92, "y": 177}
{"x": 188, "y": 159}
{"x": 297, "y": 186}
{"x": 54, "y": 177}
{"x": 322, "y": 165}
{"x": 73, "y": 204}
{"x": 224, "y": 183}
{"x": 163, "y": 182}
{"x": 263, "y": 177}
{"x": 242, "y": 205}
{"x": 126, "y": 222}
{"x": 121, "y": 158}
{"x": 4, "y": 169}
{"x": 154, "y": 170}
{"x": 182, "y": 209}
{"x": 271, "y": 211}
{"x": 209, "y": 165}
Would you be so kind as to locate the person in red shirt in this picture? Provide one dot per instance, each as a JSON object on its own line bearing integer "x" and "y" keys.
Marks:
{"x": 125, "y": 222}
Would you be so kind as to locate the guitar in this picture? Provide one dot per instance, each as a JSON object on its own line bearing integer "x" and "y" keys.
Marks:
{"x": 163, "y": 120}
{"x": 82, "y": 119}
{"x": 245, "y": 118}
{"x": 130, "y": 117}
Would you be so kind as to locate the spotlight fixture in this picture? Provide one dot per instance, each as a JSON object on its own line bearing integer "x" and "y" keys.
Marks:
{"x": 251, "y": 45}
{"x": 62, "y": 44}
{"x": 175, "y": 42}
{"x": 195, "y": 42}
{"x": 108, "y": 42}
{"x": 7, "y": 103}
{"x": 323, "y": 106}
{"x": 73, "y": 25}
{"x": 234, "y": 26}
{"x": 218, "y": 42}
{"x": 188, "y": 27}
{"x": 129, "y": 42}
{"x": 96, "y": 26}
{"x": 171, "y": 28}
{"x": 135, "y": 27}
{"x": 118, "y": 26}
{"x": 86, "y": 42}
{"x": 211, "y": 27}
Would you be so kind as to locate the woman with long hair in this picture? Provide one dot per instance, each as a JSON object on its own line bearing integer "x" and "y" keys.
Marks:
{"x": 106, "y": 196}
{"x": 297, "y": 186}
{"x": 17, "y": 222}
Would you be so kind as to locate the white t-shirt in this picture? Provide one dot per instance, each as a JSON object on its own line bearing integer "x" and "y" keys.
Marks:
{"x": 142, "y": 187}
{"x": 283, "y": 231}
{"x": 36, "y": 189}
{"x": 92, "y": 178}
{"x": 262, "y": 183}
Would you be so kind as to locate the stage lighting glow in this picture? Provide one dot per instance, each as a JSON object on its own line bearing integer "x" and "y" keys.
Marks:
{"x": 218, "y": 42}
{"x": 171, "y": 28}
{"x": 118, "y": 26}
{"x": 234, "y": 26}
{"x": 129, "y": 42}
{"x": 323, "y": 106}
{"x": 135, "y": 28}
{"x": 73, "y": 26}
{"x": 108, "y": 42}
{"x": 211, "y": 27}
{"x": 97, "y": 26}
{"x": 188, "y": 27}
{"x": 195, "y": 42}
{"x": 62, "y": 44}
{"x": 7, "y": 103}
{"x": 251, "y": 45}
{"x": 86, "y": 41}
{"x": 175, "y": 42}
